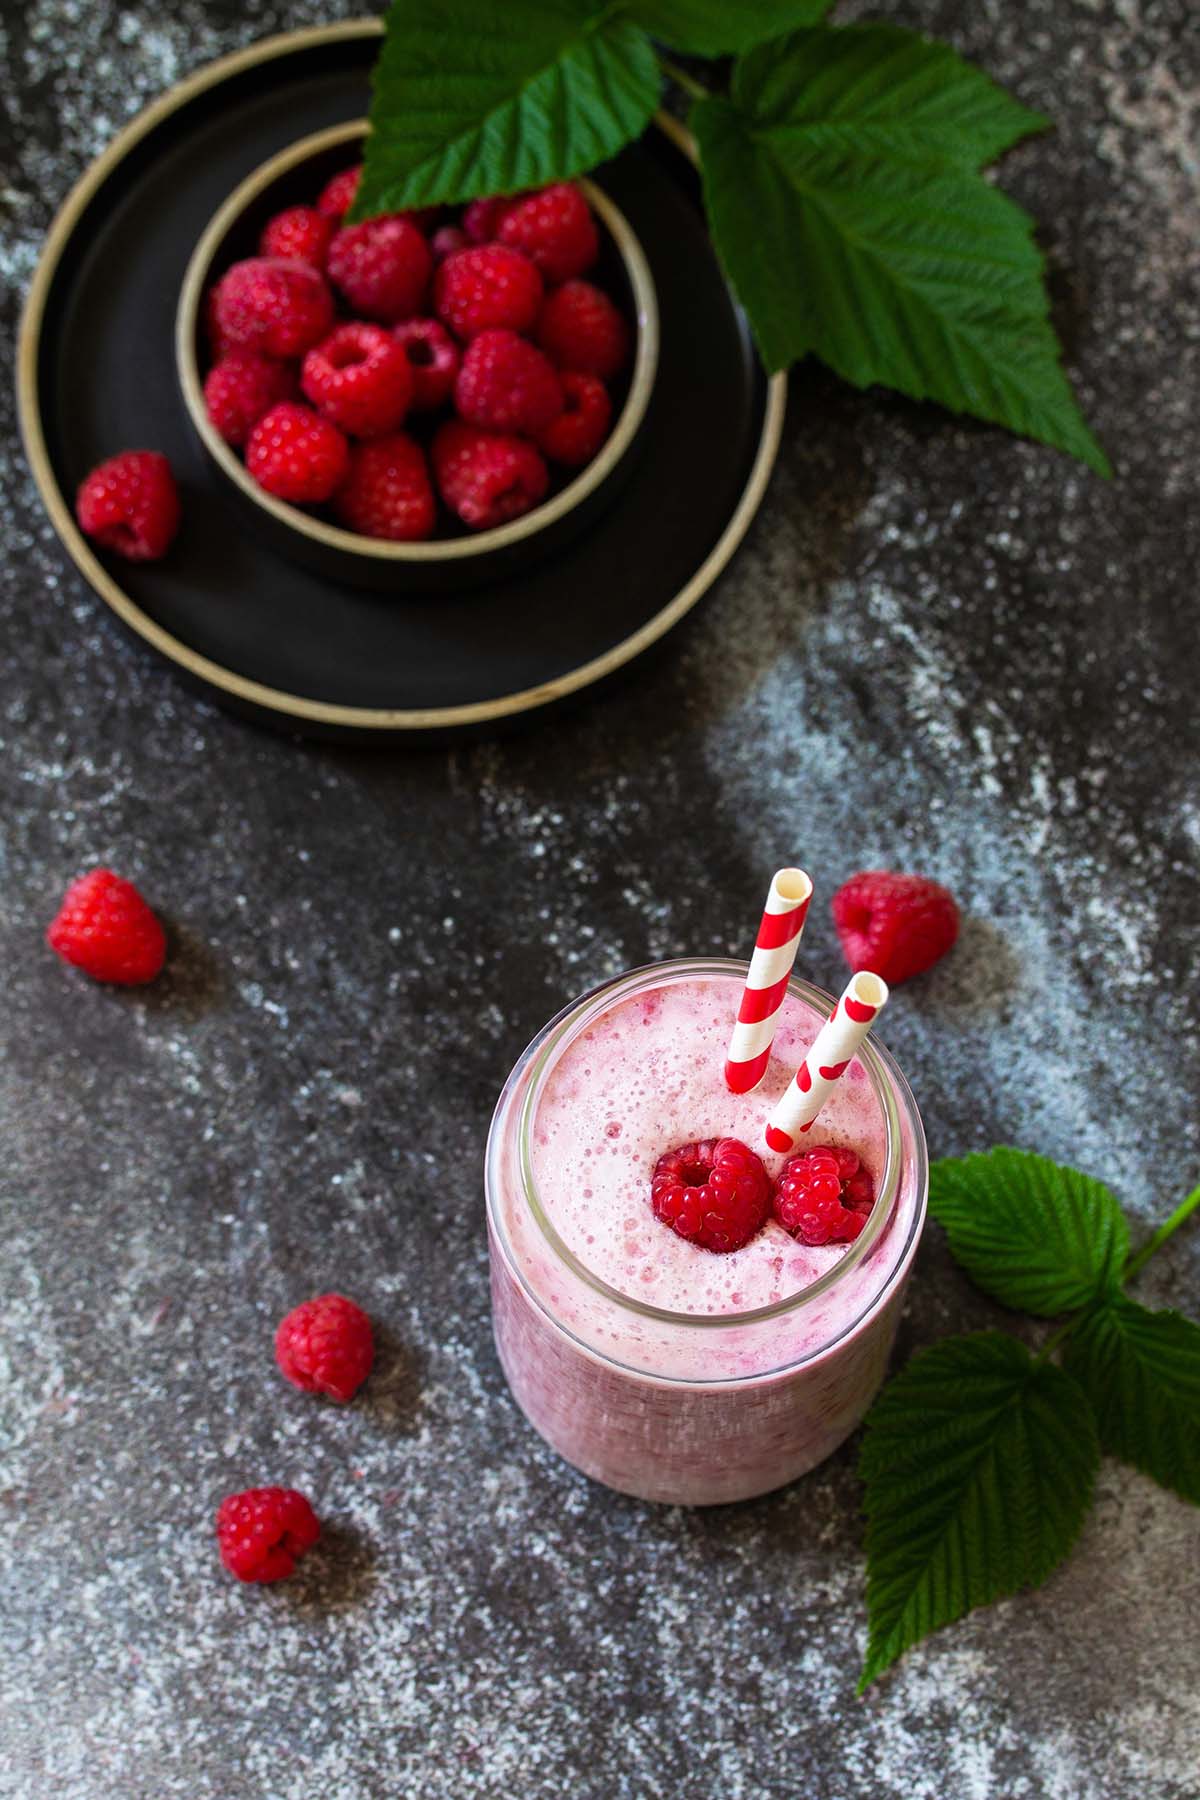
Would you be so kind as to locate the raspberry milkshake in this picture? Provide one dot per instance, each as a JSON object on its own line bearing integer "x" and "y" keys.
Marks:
{"x": 655, "y": 1364}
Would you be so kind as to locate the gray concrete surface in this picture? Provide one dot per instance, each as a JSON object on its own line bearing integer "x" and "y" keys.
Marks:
{"x": 940, "y": 649}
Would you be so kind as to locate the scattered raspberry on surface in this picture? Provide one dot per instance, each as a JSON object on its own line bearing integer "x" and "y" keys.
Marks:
{"x": 446, "y": 240}
{"x": 554, "y": 229}
{"x": 130, "y": 504}
{"x": 715, "y": 1193}
{"x": 337, "y": 196}
{"x": 824, "y": 1196}
{"x": 574, "y": 437}
{"x": 240, "y": 388}
{"x": 487, "y": 287}
{"x": 300, "y": 234}
{"x": 486, "y": 478}
{"x": 264, "y": 1532}
{"x": 580, "y": 328}
{"x": 359, "y": 377}
{"x": 326, "y": 1346}
{"x": 382, "y": 267}
{"x": 481, "y": 219}
{"x": 105, "y": 928}
{"x": 895, "y": 925}
{"x": 433, "y": 358}
{"x": 296, "y": 455}
{"x": 280, "y": 308}
{"x": 507, "y": 384}
{"x": 387, "y": 492}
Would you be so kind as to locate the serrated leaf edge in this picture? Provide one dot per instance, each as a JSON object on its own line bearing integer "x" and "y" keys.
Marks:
{"x": 876, "y": 1661}
{"x": 1108, "y": 1280}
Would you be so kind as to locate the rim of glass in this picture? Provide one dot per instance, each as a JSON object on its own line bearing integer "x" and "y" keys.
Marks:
{"x": 888, "y": 1084}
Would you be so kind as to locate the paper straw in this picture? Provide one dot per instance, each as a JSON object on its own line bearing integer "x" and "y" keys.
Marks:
{"x": 767, "y": 979}
{"x": 832, "y": 1051}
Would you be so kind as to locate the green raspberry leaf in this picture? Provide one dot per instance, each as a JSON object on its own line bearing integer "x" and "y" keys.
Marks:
{"x": 842, "y": 186}
{"x": 470, "y": 100}
{"x": 1036, "y": 1235}
{"x": 978, "y": 1464}
{"x": 1141, "y": 1372}
{"x": 722, "y": 27}
{"x": 885, "y": 91}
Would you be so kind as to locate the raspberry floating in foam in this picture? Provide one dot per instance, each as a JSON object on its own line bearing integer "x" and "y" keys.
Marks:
{"x": 824, "y": 1196}
{"x": 715, "y": 1193}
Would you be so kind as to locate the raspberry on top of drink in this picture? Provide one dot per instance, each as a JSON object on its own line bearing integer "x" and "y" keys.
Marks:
{"x": 717, "y": 1194}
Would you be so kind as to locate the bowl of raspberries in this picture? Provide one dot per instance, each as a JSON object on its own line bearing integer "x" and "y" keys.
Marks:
{"x": 422, "y": 400}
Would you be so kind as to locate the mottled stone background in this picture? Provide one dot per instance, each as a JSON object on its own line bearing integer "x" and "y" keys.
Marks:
{"x": 939, "y": 649}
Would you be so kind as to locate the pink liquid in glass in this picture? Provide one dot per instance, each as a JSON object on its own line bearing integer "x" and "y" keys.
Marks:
{"x": 662, "y": 1369}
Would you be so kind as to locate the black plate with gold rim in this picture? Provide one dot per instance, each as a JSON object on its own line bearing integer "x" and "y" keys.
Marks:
{"x": 97, "y": 375}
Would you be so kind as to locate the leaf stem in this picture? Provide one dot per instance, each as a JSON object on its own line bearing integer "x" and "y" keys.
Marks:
{"x": 1160, "y": 1237}
{"x": 1056, "y": 1337}
{"x": 682, "y": 79}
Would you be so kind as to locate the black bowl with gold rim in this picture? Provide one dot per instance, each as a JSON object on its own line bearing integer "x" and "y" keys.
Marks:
{"x": 455, "y": 559}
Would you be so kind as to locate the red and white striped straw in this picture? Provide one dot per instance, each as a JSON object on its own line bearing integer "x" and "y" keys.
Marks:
{"x": 833, "y": 1049}
{"x": 767, "y": 979}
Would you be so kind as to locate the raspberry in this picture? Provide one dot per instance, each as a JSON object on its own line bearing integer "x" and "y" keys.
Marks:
{"x": 580, "y": 328}
{"x": 241, "y": 388}
{"x": 715, "y": 1193}
{"x": 325, "y": 1346}
{"x": 446, "y": 240}
{"x": 574, "y": 437}
{"x": 895, "y": 925}
{"x": 481, "y": 220}
{"x": 433, "y": 358}
{"x": 337, "y": 196}
{"x": 218, "y": 344}
{"x": 296, "y": 455}
{"x": 824, "y": 1196}
{"x": 359, "y": 377}
{"x": 489, "y": 286}
{"x": 382, "y": 267}
{"x": 505, "y": 384}
{"x": 301, "y": 234}
{"x": 105, "y": 928}
{"x": 130, "y": 504}
{"x": 554, "y": 229}
{"x": 387, "y": 493}
{"x": 485, "y": 478}
{"x": 281, "y": 308}
{"x": 264, "y": 1532}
